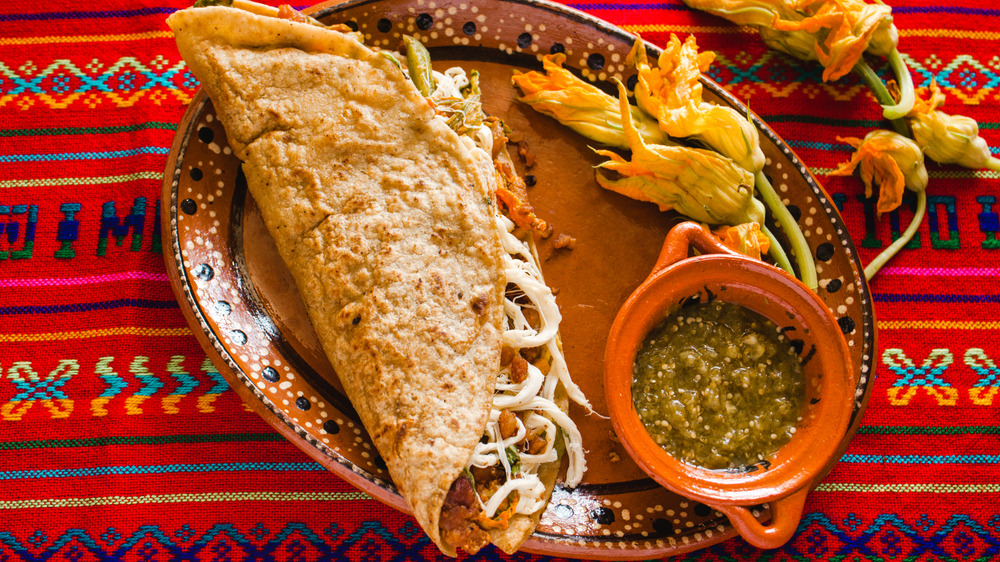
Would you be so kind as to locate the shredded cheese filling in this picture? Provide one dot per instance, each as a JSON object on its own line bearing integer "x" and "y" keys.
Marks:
{"x": 534, "y": 397}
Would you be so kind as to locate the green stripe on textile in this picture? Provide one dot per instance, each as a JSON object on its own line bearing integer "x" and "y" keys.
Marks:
{"x": 812, "y": 120}
{"x": 98, "y": 180}
{"x": 139, "y": 440}
{"x": 87, "y": 130}
{"x": 184, "y": 498}
{"x": 920, "y": 430}
{"x": 911, "y": 488}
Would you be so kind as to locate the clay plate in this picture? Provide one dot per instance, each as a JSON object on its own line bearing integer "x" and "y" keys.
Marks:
{"x": 245, "y": 310}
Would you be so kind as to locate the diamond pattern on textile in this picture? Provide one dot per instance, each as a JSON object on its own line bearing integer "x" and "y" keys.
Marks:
{"x": 122, "y": 83}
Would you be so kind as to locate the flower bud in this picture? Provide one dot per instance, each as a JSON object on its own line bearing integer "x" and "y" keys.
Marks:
{"x": 947, "y": 139}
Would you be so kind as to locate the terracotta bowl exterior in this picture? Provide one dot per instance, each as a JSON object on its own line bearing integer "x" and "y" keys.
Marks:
{"x": 784, "y": 478}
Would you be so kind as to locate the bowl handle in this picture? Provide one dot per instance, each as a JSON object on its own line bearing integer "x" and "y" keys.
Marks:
{"x": 785, "y": 516}
{"x": 681, "y": 238}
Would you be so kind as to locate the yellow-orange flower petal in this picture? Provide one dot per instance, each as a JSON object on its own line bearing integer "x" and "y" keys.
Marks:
{"x": 944, "y": 138}
{"x": 887, "y": 159}
{"x": 583, "y": 107}
{"x": 849, "y": 25}
{"x": 672, "y": 93}
{"x": 745, "y": 238}
{"x": 669, "y": 90}
{"x": 700, "y": 184}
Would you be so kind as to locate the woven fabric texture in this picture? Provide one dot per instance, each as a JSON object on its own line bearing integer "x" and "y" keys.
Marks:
{"x": 120, "y": 441}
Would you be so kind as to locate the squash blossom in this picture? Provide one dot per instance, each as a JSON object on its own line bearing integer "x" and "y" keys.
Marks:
{"x": 745, "y": 238}
{"x": 580, "y": 106}
{"x": 761, "y": 14}
{"x": 893, "y": 162}
{"x": 947, "y": 139}
{"x": 834, "y": 32}
{"x": 850, "y": 26}
{"x": 890, "y": 160}
{"x": 700, "y": 184}
{"x": 673, "y": 94}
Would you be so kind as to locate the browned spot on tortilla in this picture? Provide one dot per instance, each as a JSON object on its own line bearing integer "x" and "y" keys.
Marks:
{"x": 480, "y": 303}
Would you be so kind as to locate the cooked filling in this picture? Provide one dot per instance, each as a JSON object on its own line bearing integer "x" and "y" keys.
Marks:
{"x": 526, "y": 429}
{"x": 458, "y": 516}
{"x": 718, "y": 386}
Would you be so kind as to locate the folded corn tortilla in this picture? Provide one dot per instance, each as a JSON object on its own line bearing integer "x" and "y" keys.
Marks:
{"x": 384, "y": 218}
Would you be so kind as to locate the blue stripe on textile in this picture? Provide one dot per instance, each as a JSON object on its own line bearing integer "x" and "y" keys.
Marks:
{"x": 921, "y": 459}
{"x": 87, "y": 306}
{"x": 162, "y": 469}
{"x": 62, "y": 156}
{"x": 820, "y": 145}
{"x": 621, "y": 6}
{"x": 45, "y": 16}
{"x": 946, "y": 10}
{"x": 936, "y": 298}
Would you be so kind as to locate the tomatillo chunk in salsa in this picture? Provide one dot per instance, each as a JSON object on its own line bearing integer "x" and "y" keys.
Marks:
{"x": 718, "y": 386}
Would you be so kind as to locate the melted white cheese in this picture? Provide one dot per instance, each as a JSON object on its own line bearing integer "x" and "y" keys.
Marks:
{"x": 534, "y": 397}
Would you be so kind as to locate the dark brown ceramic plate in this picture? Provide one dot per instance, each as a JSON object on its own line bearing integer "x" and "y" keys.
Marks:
{"x": 245, "y": 310}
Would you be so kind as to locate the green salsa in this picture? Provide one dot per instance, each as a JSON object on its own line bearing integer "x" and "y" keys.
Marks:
{"x": 718, "y": 386}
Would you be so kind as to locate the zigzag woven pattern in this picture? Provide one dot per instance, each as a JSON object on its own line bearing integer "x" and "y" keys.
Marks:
{"x": 918, "y": 537}
{"x": 121, "y": 441}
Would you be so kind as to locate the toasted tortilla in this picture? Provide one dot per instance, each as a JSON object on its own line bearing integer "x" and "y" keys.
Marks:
{"x": 383, "y": 218}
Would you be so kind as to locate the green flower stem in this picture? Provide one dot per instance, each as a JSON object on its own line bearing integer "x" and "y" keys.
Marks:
{"x": 884, "y": 257}
{"x": 906, "y": 94}
{"x": 882, "y": 93}
{"x": 803, "y": 255}
{"x": 776, "y": 252}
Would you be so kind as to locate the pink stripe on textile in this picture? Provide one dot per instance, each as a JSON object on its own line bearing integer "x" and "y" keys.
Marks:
{"x": 941, "y": 271}
{"x": 69, "y": 281}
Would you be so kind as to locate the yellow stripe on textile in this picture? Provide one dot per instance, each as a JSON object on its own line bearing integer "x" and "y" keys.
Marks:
{"x": 663, "y": 28}
{"x": 211, "y": 497}
{"x": 50, "y": 39}
{"x": 950, "y": 33}
{"x": 936, "y": 325}
{"x": 86, "y": 334}
{"x": 99, "y": 180}
{"x": 910, "y": 488}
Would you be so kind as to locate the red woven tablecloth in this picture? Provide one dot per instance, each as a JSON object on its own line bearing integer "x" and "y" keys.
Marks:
{"x": 118, "y": 440}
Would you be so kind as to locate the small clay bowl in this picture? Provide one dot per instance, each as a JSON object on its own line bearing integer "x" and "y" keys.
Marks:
{"x": 784, "y": 478}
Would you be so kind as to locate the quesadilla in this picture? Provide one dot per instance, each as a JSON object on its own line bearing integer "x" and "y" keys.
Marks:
{"x": 408, "y": 235}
